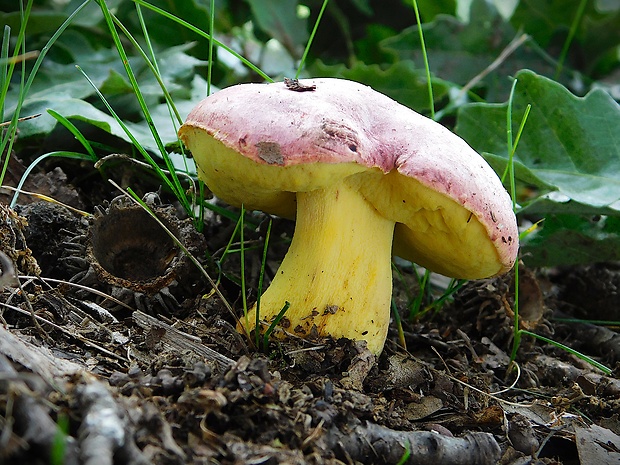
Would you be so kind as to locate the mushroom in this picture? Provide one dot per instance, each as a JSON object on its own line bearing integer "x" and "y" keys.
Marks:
{"x": 365, "y": 178}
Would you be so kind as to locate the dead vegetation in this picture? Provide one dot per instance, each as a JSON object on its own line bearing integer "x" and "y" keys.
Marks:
{"x": 86, "y": 379}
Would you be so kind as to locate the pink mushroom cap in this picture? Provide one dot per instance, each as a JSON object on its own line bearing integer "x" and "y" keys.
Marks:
{"x": 452, "y": 213}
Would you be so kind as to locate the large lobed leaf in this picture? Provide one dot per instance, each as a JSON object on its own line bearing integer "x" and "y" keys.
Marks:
{"x": 459, "y": 52}
{"x": 570, "y": 152}
{"x": 570, "y": 144}
{"x": 401, "y": 81}
{"x": 597, "y": 33}
{"x": 573, "y": 239}
{"x": 279, "y": 19}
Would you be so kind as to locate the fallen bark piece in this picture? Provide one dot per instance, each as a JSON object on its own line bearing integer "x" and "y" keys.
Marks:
{"x": 39, "y": 360}
{"x": 597, "y": 445}
{"x": 371, "y": 443}
{"x": 552, "y": 369}
{"x": 600, "y": 340}
{"x": 521, "y": 434}
{"x": 360, "y": 366}
{"x": 104, "y": 433}
{"x": 170, "y": 337}
{"x": 30, "y": 421}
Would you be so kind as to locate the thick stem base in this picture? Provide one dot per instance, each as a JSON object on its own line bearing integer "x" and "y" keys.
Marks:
{"x": 337, "y": 273}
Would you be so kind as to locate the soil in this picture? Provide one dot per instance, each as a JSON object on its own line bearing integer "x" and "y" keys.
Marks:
{"x": 115, "y": 349}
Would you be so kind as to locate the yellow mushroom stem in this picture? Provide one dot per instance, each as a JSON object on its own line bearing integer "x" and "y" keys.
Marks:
{"x": 337, "y": 272}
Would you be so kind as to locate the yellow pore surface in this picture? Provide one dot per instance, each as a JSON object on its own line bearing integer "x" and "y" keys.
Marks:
{"x": 432, "y": 229}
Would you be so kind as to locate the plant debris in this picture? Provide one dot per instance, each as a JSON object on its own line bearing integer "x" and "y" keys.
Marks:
{"x": 100, "y": 383}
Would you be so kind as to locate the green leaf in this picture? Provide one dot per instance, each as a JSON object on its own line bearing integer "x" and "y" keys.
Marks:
{"x": 431, "y": 8}
{"x": 61, "y": 87}
{"x": 401, "y": 81}
{"x": 570, "y": 144}
{"x": 68, "y": 107}
{"x": 278, "y": 18}
{"x": 64, "y": 80}
{"x": 367, "y": 48}
{"x": 458, "y": 52}
{"x": 116, "y": 83}
{"x": 363, "y": 6}
{"x": 165, "y": 33}
{"x": 548, "y": 22}
{"x": 39, "y": 21}
{"x": 572, "y": 239}
{"x": 78, "y": 110}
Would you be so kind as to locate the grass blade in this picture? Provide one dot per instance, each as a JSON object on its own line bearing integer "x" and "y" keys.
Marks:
{"x": 273, "y": 324}
{"x": 569, "y": 39}
{"x": 242, "y": 252}
{"x": 310, "y": 39}
{"x": 76, "y": 133}
{"x": 416, "y": 306}
{"x": 211, "y": 29}
{"x": 124, "y": 127}
{"x": 201, "y": 33}
{"x": 72, "y": 155}
{"x": 260, "y": 279}
{"x": 172, "y": 182}
{"x": 152, "y": 62}
{"x": 399, "y": 325}
{"x": 425, "y": 56}
{"x": 583, "y": 357}
{"x": 4, "y": 68}
{"x": 6, "y": 143}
